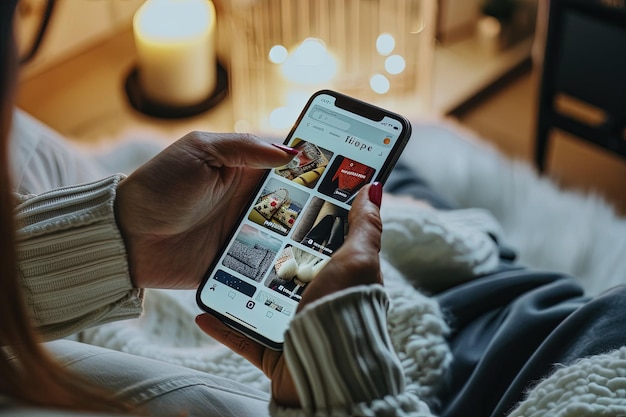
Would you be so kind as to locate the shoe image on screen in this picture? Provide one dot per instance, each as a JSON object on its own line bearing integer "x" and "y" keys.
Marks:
{"x": 323, "y": 227}
{"x": 252, "y": 253}
{"x": 345, "y": 177}
{"x": 278, "y": 207}
{"x": 308, "y": 165}
{"x": 293, "y": 270}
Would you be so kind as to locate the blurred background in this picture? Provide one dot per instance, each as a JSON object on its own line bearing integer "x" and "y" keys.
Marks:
{"x": 95, "y": 71}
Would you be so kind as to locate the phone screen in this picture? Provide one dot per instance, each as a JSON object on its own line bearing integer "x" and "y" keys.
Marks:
{"x": 299, "y": 214}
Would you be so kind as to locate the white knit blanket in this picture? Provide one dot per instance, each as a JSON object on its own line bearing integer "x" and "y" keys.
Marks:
{"x": 568, "y": 231}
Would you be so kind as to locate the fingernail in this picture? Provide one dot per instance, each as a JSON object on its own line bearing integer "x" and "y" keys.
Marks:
{"x": 376, "y": 193}
{"x": 285, "y": 148}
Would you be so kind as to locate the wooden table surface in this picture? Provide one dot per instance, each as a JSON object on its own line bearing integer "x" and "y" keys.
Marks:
{"x": 84, "y": 98}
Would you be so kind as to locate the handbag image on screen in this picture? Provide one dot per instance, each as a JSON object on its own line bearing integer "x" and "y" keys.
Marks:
{"x": 308, "y": 165}
{"x": 308, "y": 179}
{"x": 286, "y": 215}
{"x": 270, "y": 203}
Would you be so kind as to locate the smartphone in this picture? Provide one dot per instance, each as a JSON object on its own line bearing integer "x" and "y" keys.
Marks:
{"x": 298, "y": 215}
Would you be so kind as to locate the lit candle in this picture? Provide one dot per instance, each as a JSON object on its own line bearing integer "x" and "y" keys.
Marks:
{"x": 175, "y": 41}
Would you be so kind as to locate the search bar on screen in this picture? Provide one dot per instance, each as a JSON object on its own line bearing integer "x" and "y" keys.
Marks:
{"x": 330, "y": 120}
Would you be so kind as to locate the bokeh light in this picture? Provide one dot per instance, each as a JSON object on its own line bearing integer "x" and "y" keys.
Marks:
{"x": 278, "y": 54}
{"x": 380, "y": 84}
{"x": 395, "y": 64}
{"x": 385, "y": 44}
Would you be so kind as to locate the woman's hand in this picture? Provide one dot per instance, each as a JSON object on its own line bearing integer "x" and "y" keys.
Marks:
{"x": 177, "y": 210}
{"x": 355, "y": 263}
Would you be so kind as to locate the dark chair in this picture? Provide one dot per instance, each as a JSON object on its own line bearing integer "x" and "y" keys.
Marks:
{"x": 585, "y": 59}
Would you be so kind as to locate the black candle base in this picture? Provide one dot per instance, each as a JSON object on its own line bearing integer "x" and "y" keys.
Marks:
{"x": 145, "y": 105}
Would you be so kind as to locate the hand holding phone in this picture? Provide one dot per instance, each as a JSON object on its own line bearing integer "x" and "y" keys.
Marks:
{"x": 176, "y": 211}
{"x": 298, "y": 216}
{"x": 362, "y": 243}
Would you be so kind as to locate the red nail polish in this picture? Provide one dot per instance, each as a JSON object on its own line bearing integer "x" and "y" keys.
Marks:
{"x": 376, "y": 193}
{"x": 285, "y": 148}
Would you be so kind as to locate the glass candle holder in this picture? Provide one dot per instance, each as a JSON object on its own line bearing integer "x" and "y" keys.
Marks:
{"x": 281, "y": 51}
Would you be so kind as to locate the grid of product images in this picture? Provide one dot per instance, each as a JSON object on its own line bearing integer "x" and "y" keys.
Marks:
{"x": 283, "y": 246}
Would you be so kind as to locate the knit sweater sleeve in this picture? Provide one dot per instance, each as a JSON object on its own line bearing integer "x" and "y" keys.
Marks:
{"x": 72, "y": 259}
{"x": 342, "y": 361}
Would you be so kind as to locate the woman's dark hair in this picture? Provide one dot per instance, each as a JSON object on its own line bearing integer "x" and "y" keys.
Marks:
{"x": 28, "y": 374}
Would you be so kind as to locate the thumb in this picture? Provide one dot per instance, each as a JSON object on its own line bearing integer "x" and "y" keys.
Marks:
{"x": 356, "y": 262}
{"x": 364, "y": 222}
{"x": 241, "y": 150}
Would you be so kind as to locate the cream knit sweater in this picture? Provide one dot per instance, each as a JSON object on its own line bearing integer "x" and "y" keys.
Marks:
{"x": 361, "y": 352}
{"x": 72, "y": 259}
